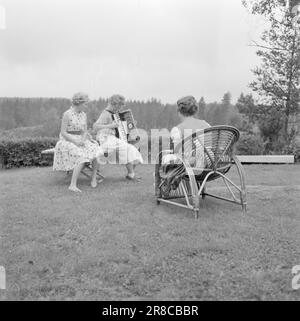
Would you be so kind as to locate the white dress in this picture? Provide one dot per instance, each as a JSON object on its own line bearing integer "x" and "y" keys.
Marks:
{"x": 68, "y": 155}
{"x": 110, "y": 144}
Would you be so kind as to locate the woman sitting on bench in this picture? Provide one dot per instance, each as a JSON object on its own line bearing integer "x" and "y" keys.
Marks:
{"x": 75, "y": 146}
{"x": 109, "y": 142}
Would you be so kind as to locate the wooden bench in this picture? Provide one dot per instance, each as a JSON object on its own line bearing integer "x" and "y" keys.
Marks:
{"x": 86, "y": 171}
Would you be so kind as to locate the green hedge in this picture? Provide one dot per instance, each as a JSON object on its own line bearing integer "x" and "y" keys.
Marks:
{"x": 294, "y": 148}
{"x": 25, "y": 152}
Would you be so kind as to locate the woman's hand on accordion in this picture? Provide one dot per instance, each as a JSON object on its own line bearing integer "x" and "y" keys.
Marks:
{"x": 114, "y": 124}
{"x": 98, "y": 126}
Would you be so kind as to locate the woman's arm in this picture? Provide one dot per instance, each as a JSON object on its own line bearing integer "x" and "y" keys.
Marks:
{"x": 87, "y": 135}
{"x": 63, "y": 131}
{"x": 176, "y": 135}
{"x": 102, "y": 126}
{"x": 104, "y": 122}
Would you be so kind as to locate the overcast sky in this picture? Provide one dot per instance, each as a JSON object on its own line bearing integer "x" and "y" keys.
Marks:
{"x": 139, "y": 48}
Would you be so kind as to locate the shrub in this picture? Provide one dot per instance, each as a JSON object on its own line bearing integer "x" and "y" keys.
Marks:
{"x": 44, "y": 130}
{"x": 25, "y": 152}
{"x": 293, "y": 148}
{"x": 250, "y": 144}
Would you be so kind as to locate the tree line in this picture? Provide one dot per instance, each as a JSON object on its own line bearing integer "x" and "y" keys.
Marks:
{"x": 46, "y": 113}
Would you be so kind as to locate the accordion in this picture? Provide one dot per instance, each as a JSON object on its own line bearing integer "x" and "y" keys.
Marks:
{"x": 126, "y": 126}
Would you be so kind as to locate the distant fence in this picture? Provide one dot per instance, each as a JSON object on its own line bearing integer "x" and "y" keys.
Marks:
{"x": 266, "y": 159}
{"x": 167, "y": 143}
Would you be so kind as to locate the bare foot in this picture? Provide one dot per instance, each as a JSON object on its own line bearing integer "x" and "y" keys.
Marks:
{"x": 74, "y": 189}
{"x": 94, "y": 183}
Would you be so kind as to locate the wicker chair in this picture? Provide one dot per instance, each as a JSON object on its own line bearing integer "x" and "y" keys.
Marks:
{"x": 203, "y": 156}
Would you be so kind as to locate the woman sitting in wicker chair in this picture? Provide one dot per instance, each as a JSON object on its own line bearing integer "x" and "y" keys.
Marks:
{"x": 201, "y": 154}
{"x": 187, "y": 109}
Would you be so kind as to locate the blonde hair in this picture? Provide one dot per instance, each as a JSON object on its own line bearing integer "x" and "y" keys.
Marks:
{"x": 79, "y": 98}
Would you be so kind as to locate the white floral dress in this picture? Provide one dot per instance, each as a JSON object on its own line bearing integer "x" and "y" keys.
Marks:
{"x": 68, "y": 155}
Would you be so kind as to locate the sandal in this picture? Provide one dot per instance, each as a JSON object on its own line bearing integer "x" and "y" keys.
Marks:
{"x": 134, "y": 178}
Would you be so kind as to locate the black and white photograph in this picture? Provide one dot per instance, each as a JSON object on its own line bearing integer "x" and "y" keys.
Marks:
{"x": 150, "y": 152}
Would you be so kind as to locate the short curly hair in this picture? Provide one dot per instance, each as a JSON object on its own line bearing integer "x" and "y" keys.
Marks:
{"x": 187, "y": 106}
{"x": 80, "y": 98}
{"x": 117, "y": 100}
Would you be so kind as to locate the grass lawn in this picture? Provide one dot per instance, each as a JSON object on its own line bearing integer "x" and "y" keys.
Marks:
{"x": 115, "y": 243}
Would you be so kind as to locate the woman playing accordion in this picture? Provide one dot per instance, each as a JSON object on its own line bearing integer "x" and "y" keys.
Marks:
{"x": 107, "y": 136}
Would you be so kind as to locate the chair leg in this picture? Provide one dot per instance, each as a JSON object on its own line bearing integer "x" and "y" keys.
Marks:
{"x": 88, "y": 167}
{"x": 244, "y": 208}
{"x": 100, "y": 175}
{"x": 243, "y": 194}
{"x": 157, "y": 181}
{"x": 196, "y": 203}
{"x": 203, "y": 192}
